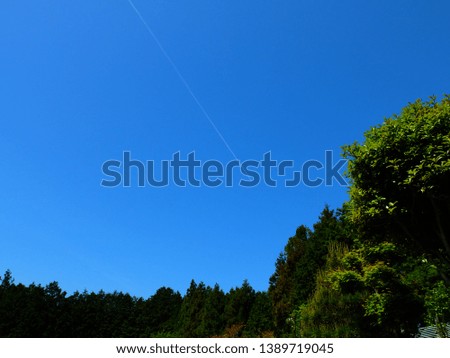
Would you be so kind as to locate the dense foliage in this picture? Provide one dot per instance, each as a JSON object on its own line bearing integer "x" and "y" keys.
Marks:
{"x": 377, "y": 267}
{"x": 394, "y": 275}
{"x": 401, "y": 181}
{"x": 36, "y": 311}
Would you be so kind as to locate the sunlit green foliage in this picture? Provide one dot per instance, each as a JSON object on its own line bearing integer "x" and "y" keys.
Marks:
{"x": 438, "y": 307}
{"x": 401, "y": 180}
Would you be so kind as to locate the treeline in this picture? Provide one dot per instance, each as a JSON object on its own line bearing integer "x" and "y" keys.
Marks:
{"x": 377, "y": 267}
{"x": 204, "y": 311}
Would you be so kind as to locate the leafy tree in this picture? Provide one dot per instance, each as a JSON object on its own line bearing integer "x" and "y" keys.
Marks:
{"x": 329, "y": 312}
{"x": 401, "y": 181}
{"x": 362, "y": 292}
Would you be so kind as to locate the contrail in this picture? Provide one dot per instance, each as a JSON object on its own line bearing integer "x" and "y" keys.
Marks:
{"x": 182, "y": 79}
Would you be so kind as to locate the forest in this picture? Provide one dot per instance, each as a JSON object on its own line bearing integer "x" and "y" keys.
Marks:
{"x": 378, "y": 266}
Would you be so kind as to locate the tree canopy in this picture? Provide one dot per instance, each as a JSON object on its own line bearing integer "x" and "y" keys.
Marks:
{"x": 400, "y": 180}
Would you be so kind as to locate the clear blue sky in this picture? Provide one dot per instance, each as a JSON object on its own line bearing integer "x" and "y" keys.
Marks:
{"x": 82, "y": 81}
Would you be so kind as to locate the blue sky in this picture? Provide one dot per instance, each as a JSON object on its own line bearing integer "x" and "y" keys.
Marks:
{"x": 82, "y": 81}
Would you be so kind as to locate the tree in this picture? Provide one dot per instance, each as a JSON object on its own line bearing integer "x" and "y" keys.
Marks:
{"x": 329, "y": 312}
{"x": 400, "y": 180}
{"x": 283, "y": 282}
{"x": 7, "y": 280}
{"x": 212, "y": 315}
{"x": 159, "y": 314}
{"x": 239, "y": 302}
{"x": 362, "y": 292}
{"x": 296, "y": 268}
{"x": 56, "y": 323}
{"x": 260, "y": 322}
{"x": 190, "y": 321}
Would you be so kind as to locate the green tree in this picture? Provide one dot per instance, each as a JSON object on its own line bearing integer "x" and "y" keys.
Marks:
{"x": 239, "y": 302}
{"x": 260, "y": 321}
{"x": 363, "y": 292}
{"x": 400, "y": 180}
{"x": 56, "y": 307}
{"x": 190, "y": 319}
{"x": 32, "y": 311}
{"x": 7, "y": 280}
{"x": 212, "y": 314}
{"x": 296, "y": 268}
{"x": 159, "y": 314}
{"x": 437, "y": 303}
{"x": 283, "y": 282}
{"x": 330, "y": 312}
